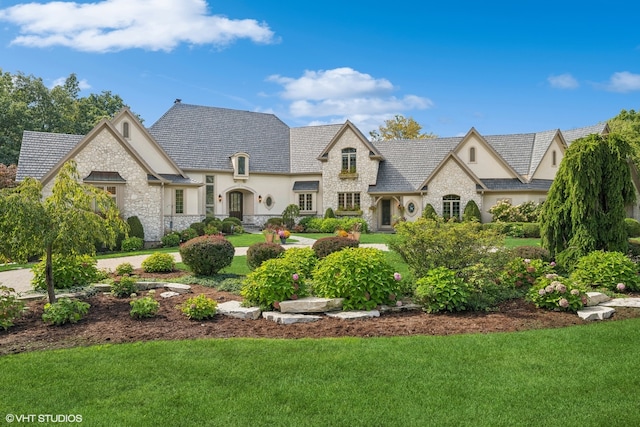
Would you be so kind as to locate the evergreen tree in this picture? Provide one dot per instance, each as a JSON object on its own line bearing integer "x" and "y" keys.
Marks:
{"x": 585, "y": 207}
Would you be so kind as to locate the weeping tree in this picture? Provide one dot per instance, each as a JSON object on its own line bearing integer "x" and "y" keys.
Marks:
{"x": 585, "y": 207}
{"x": 68, "y": 222}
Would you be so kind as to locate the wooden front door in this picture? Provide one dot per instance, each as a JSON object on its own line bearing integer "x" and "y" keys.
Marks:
{"x": 235, "y": 204}
{"x": 385, "y": 213}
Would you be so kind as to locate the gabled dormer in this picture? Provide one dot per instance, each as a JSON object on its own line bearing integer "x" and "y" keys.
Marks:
{"x": 240, "y": 163}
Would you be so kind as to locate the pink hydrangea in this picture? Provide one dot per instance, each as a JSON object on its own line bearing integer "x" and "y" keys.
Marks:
{"x": 575, "y": 292}
{"x": 541, "y": 292}
{"x": 527, "y": 260}
{"x": 551, "y": 276}
{"x": 563, "y": 303}
{"x": 398, "y": 303}
{"x": 552, "y": 263}
{"x": 295, "y": 277}
{"x": 397, "y": 277}
{"x": 560, "y": 288}
{"x": 549, "y": 289}
{"x": 621, "y": 287}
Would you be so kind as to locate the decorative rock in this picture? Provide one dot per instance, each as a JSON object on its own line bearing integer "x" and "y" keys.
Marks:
{"x": 596, "y": 313}
{"x": 595, "y": 298}
{"x": 397, "y": 308}
{"x": 143, "y": 286}
{"x": 178, "y": 287}
{"x": 289, "y": 319}
{"x": 622, "y": 302}
{"x": 235, "y": 309}
{"x": 31, "y": 297}
{"x": 102, "y": 287}
{"x": 356, "y": 314}
{"x": 169, "y": 294}
{"x": 311, "y": 305}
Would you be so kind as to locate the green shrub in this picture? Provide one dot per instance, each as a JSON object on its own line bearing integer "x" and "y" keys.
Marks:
{"x": 303, "y": 260}
{"x": 634, "y": 249}
{"x": 275, "y": 222}
{"x": 198, "y": 227}
{"x": 171, "y": 240}
{"x": 304, "y": 222}
{"x": 68, "y": 272}
{"x": 471, "y": 212}
{"x": 328, "y": 245}
{"x": 212, "y": 220}
{"x": 361, "y": 276}
{"x": 314, "y": 224}
{"x": 274, "y": 281}
{"x": 124, "y": 287}
{"x": 206, "y": 255}
{"x": 329, "y": 213}
{"x": 606, "y": 269}
{"x": 65, "y": 310}
{"x": 554, "y": 292}
{"x": 427, "y": 244}
{"x": 135, "y": 227}
{"x": 531, "y": 230}
{"x": 230, "y": 225}
{"x": 132, "y": 244}
{"x": 10, "y": 307}
{"x": 159, "y": 263}
{"x": 429, "y": 212}
{"x": 211, "y": 229}
{"x": 233, "y": 220}
{"x": 188, "y": 234}
{"x": 199, "y": 308}
{"x": 633, "y": 227}
{"x": 504, "y": 211}
{"x": 531, "y": 252}
{"x": 442, "y": 290}
{"x": 124, "y": 268}
{"x": 488, "y": 293}
{"x": 144, "y": 307}
{"x": 330, "y": 225}
{"x": 290, "y": 214}
{"x": 524, "y": 272}
{"x": 262, "y": 251}
{"x": 351, "y": 223}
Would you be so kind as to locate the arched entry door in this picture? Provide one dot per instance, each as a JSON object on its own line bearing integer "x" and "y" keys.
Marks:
{"x": 235, "y": 204}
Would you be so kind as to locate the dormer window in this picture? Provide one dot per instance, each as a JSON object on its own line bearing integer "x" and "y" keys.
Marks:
{"x": 240, "y": 163}
{"x": 472, "y": 155}
{"x": 125, "y": 129}
{"x": 348, "y": 160}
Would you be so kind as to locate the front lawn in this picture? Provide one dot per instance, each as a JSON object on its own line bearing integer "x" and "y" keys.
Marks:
{"x": 575, "y": 376}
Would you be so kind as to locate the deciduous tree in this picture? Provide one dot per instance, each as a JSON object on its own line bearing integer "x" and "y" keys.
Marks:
{"x": 399, "y": 127}
{"x": 68, "y": 222}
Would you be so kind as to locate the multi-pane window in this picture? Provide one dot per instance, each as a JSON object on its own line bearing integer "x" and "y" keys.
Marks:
{"x": 242, "y": 165}
{"x": 348, "y": 201}
{"x": 179, "y": 201}
{"x": 451, "y": 206}
{"x": 305, "y": 201}
{"x": 112, "y": 190}
{"x": 349, "y": 160}
{"x": 210, "y": 196}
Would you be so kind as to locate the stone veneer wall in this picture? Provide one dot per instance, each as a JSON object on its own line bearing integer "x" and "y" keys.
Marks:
{"x": 367, "y": 171}
{"x": 105, "y": 153}
{"x": 452, "y": 180}
{"x": 180, "y": 222}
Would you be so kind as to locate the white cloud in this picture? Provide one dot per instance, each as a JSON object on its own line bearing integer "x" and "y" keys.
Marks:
{"x": 563, "y": 81}
{"x": 114, "y": 25}
{"x": 624, "y": 81}
{"x": 332, "y": 96}
{"x": 82, "y": 84}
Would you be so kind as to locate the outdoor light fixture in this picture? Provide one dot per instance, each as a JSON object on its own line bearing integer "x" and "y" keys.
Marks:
{"x": 260, "y": 199}
{"x": 220, "y": 198}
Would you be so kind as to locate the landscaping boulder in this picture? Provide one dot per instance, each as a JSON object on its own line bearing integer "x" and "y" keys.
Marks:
{"x": 311, "y": 305}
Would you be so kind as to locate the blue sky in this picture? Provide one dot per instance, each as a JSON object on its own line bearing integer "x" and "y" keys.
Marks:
{"x": 499, "y": 66}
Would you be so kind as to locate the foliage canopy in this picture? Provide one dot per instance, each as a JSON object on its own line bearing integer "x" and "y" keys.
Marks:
{"x": 399, "y": 127}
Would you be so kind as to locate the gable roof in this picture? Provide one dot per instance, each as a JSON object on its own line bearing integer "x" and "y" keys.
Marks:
{"x": 41, "y": 151}
{"x": 204, "y": 138}
{"x": 573, "y": 134}
{"x": 306, "y": 143}
{"x": 373, "y": 151}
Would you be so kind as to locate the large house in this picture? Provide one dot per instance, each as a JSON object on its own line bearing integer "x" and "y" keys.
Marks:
{"x": 198, "y": 161}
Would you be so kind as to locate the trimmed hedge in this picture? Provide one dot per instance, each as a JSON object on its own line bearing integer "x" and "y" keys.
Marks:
{"x": 206, "y": 255}
{"x": 135, "y": 227}
{"x": 328, "y": 245}
{"x": 515, "y": 229}
{"x": 262, "y": 251}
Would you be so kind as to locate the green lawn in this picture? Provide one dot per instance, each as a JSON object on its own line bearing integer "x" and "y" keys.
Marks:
{"x": 577, "y": 376}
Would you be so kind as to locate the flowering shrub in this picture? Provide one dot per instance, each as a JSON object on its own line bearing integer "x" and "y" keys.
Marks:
{"x": 10, "y": 307}
{"x": 262, "y": 251}
{"x": 68, "y": 271}
{"x": 206, "y": 255}
{"x": 554, "y": 292}
{"x": 284, "y": 234}
{"x": 274, "y": 281}
{"x": 606, "y": 269}
{"x": 144, "y": 307}
{"x": 303, "y": 260}
{"x": 123, "y": 287}
{"x": 159, "y": 263}
{"x": 442, "y": 290}
{"x": 524, "y": 272}
{"x": 504, "y": 211}
{"x": 532, "y": 252}
{"x": 65, "y": 310}
{"x": 199, "y": 308}
{"x": 361, "y": 276}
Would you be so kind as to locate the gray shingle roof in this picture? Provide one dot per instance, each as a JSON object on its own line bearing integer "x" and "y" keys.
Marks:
{"x": 173, "y": 178}
{"x": 306, "y": 186}
{"x": 306, "y": 145}
{"x": 41, "y": 151}
{"x": 516, "y": 184}
{"x": 515, "y": 149}
{"x": 409, "y": 162}
{"x": 573, "y": 134}
{"x": 198, "y": 137}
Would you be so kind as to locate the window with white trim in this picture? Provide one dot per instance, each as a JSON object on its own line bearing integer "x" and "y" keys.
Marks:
{"x": 451, "y": 206}
{"x": 305, "y": 201}
{"x": 348, "y": 201}
{"x": 178, "y": 201}
{"x": 348, "y": 160}
{"x": 209, "y": 196}
{"x": 113, "y": 193}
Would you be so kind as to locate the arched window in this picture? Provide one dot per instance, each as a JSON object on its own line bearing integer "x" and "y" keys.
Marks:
{"x": 472, "y": 155}
{"x": 348, "y": 160}
{"x": 451, "y": 206}
{"x": 125, "y": 129}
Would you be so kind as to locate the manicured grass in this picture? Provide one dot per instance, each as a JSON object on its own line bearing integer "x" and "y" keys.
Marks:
{"x": 364, "y": 237}
{"x": 512, "y": 242}
{"x": 578, "y": 376}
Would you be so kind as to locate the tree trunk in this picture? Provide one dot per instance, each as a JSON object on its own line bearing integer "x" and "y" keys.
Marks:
{"x": 48, "y": 274}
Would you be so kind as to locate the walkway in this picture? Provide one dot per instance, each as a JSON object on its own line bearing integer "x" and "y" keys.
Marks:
{"x": 20, "y": 280}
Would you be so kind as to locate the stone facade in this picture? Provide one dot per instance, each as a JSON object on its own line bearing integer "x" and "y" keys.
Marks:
{"x": 452, "y": 180}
